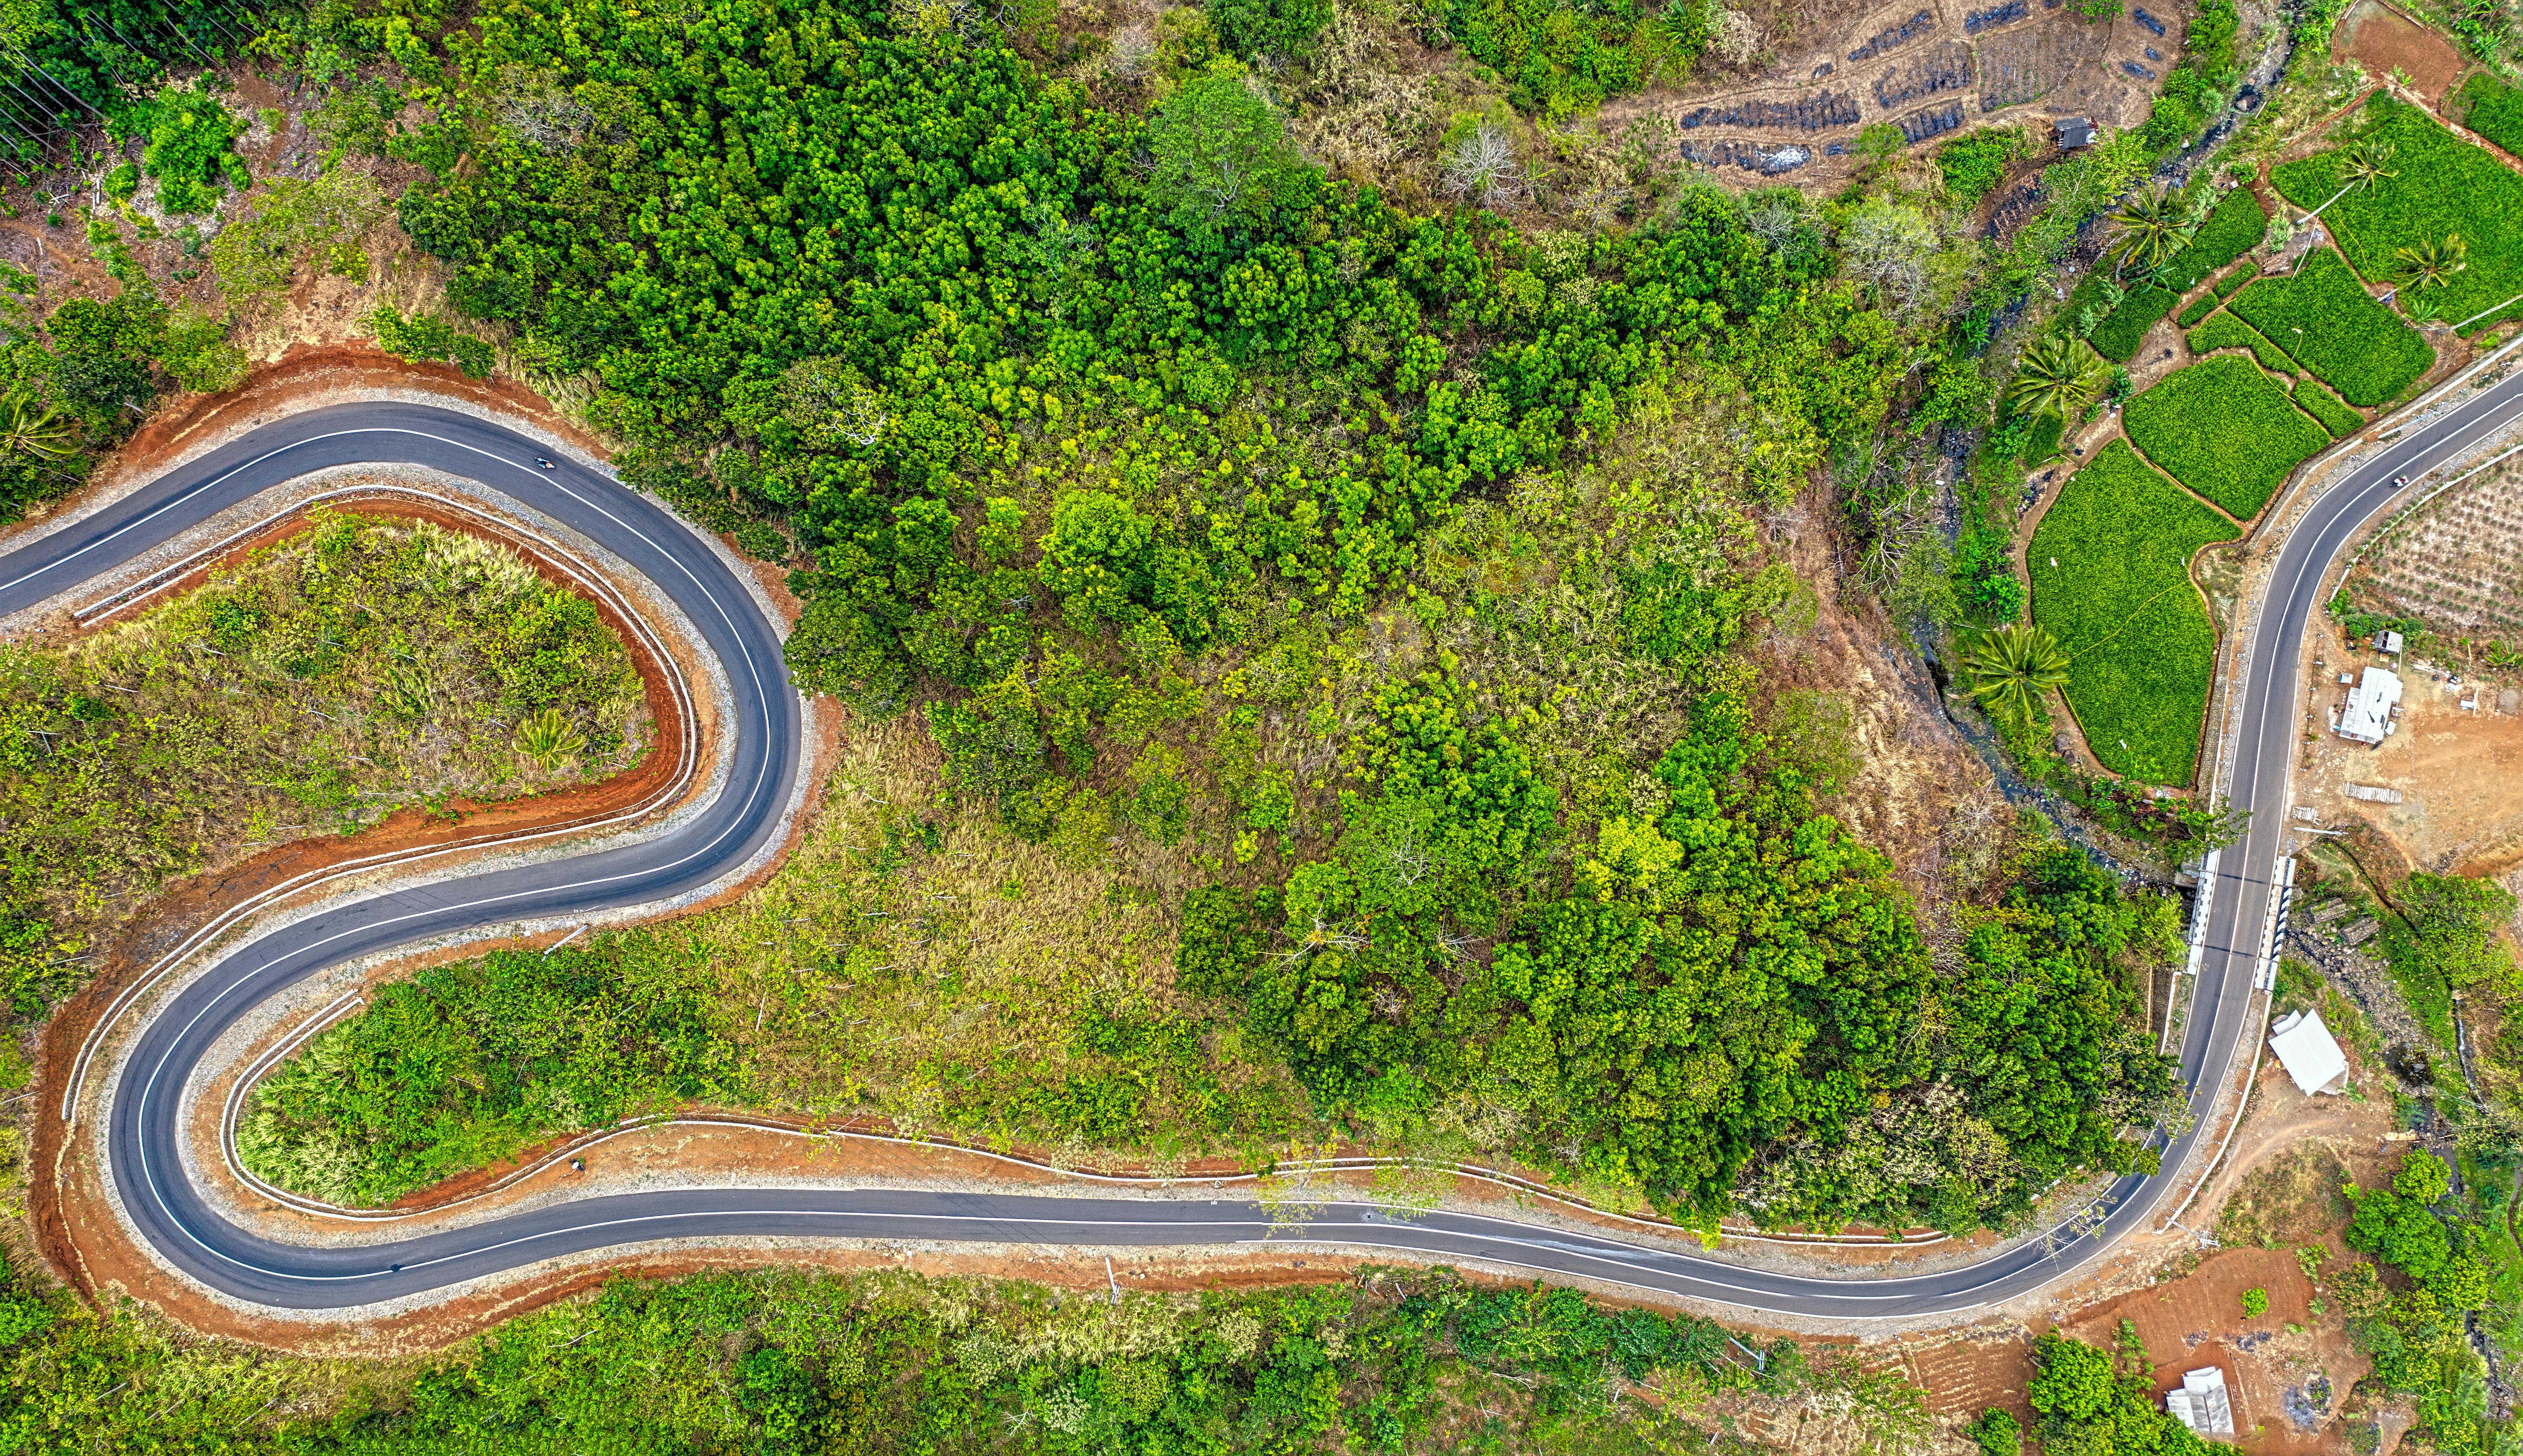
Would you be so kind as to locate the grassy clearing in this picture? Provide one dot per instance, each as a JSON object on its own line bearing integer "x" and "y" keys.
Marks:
{"x": 467, "y": 1064}
{"x": 353, "y": 669}
{"x": 2323, "y": 316}
{"x": 2226, "y": 430}
{"x": 2117, "y": 336}
{"x": 2120, "y": 598}
{"x": 931, "y": 969}
{"x": 2232, "y": 228}
{"x": 2442, "y": 187}
{"x": 2325, "y": 406}
{"x": 2225, "y": 331}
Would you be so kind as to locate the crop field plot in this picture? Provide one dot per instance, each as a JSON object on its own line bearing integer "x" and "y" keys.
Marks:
{"x": 2117, "y": 336}
{"x": 2231, "y": 228}
{"x": 2496, "y": 112}
{"x": 2225, "y": 331}
{"x": 2455, "y": 562}
{"x": 2441, "y": 187}
{"x": 2326, "y": 319}
{"x": 2119, "y": 598}
{"x": 2325, "y": 406}
{"x": 2226, "y": 430}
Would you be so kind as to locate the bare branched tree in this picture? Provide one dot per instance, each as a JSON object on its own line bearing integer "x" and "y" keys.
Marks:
{"x": 1481, "y": 166}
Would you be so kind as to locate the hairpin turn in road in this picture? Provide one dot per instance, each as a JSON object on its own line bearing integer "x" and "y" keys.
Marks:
{"x": 767, "y": 754}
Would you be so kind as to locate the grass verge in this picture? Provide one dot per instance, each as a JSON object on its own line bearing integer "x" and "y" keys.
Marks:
{"x": 356, "y": 666}
{"x": 926, "y": 967}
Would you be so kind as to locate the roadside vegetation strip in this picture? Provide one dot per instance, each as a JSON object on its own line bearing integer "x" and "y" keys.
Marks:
{"x": 2325, "y": 406}
{"x": 2117, "y": 336}
{"x": 2233, "y": 227}
{"x": 2326, "y": 319}
{"x": 2440, "y": 186}
{"x": 2119, "y": 598}
{"x": 2226, "y": 430}
{"x": 2225, "y": 331}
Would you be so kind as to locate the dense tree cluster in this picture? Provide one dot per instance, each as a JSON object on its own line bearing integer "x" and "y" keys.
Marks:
{"x": 2089, "y": 1402}
{"x": 1730, "y": 1007}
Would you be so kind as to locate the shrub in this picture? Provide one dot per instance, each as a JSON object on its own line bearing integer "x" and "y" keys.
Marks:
{"x": 2255, "y": 1303}
{"x": 2325, "y": 406}
{"x": 2205, "y": 304}
{"x": 2041, "y": 441}
{"x": 1997, "y": 1433}
{"x": 2117, "y": 336}
{"x": 2232, "y": 228}
{"x": 2121, "y": 599}
{"x": 2225, "y": 331}
{"x": 1973, "y": 166}
{"x": 2234, "y": 282}
{"x": 426, "y": 339}
{"x": 2323, "y": 316}
{"x": 2442, "y": 187}
{"x": 1275, "y": 26}
{"x": 2226, "y": 430}
{"x": 189, "y": 136}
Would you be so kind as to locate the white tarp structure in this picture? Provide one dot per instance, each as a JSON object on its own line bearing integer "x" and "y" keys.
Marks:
{"x": 2368, "y": 715}
{"x": 2308, "y": 1053}
{"x": 2202, "y": 1403}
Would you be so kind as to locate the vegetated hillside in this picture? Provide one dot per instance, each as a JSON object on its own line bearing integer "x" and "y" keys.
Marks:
{"x": 1387, "y": 1359}
{"x": 1364, "y": 579}
{"x": 1366, "y": 585}
{"x": 348, "y": 671}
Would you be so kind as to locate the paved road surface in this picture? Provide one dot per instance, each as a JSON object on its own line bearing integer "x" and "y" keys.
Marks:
{"x": 145, "y": 1100}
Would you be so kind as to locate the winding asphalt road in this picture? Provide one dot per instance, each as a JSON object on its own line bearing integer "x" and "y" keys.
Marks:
{"x": 142, "y": 1130}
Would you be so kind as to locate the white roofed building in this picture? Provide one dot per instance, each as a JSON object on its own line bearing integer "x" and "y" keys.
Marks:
{"x": 2308, "y": 1053}
{"x": 2367, "y": 718}
{"x": 2202, "y": 1403}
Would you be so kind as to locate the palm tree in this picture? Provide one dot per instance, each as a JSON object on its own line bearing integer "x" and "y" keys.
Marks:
{"x": 44, "y": 434}
{"x": 2152, "y": 227}
{"x": 2057, "y": 376}
{"x": 2432, "y": 263}
{"x": 2009, "y": 669}
{"x": 547, "y": 737}
{"x": 2360, "y": 166}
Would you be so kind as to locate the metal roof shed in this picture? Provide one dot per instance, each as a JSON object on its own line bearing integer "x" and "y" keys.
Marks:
{"x": 2308, "y": 1053}
{"x": 2367, "y": 718}
{"x": 2202, "y": 1403}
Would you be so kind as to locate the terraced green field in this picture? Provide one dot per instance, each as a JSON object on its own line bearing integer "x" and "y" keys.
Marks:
{"x": 2326, "y": 319}
{"x": 2226, "y": 430}
{"x": 2110, "y": 566}
{"x": 2441, "y": 186}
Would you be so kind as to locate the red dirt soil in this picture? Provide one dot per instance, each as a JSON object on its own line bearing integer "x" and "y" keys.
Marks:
{"x": 2381, "y": 38}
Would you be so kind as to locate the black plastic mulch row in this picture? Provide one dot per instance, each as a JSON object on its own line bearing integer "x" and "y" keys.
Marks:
{"x": 1810, "y": 114}
{"x": 1908, "y": 30}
